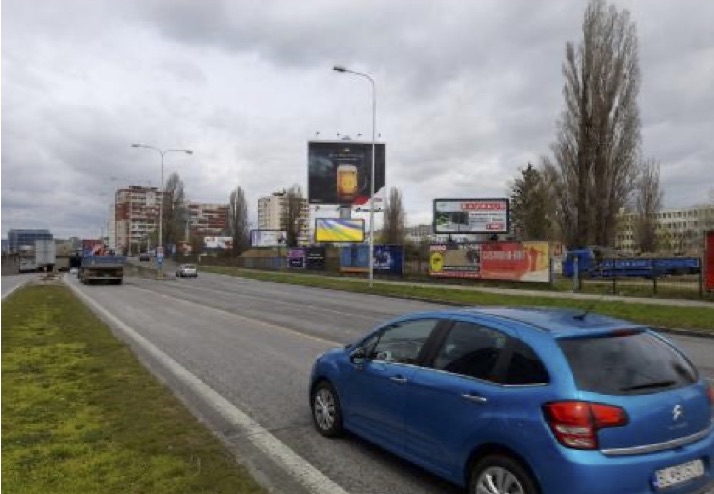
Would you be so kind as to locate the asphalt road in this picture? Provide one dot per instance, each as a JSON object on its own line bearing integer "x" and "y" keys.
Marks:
{"x": 11, "y": 282}
{"x": 254, "y": 343}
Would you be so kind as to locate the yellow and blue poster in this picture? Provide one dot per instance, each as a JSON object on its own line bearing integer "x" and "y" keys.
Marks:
{"x": 339, "y": 230}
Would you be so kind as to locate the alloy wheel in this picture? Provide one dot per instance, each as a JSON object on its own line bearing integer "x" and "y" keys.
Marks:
{"x": 324, "y": 409}
{"x": 498, "y": 480}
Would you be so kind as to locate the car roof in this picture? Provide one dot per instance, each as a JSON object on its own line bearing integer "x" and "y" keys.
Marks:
{"x": 557, "y": 321}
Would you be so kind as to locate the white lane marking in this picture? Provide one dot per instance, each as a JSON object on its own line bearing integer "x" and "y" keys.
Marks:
{"x": 15, "y": 288}
{"x": 250, "y": 320}
{"x": 305, "y": 473}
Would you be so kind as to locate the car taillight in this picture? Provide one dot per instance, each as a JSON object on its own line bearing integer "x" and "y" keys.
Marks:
{"x": 575, "y": 423}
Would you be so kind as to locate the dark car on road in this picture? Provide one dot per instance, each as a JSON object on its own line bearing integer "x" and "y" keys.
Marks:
{"x": 144, "y": 257}
{"x": 525, "y": 401}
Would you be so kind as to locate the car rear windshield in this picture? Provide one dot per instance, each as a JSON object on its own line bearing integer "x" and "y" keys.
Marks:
{"x": 189, "y": 266}
{"x": 627, "y": 363}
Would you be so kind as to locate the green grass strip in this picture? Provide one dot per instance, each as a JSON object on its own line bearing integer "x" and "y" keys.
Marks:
{"x": 657, "y": 315}
{"x": 81, "y": 415}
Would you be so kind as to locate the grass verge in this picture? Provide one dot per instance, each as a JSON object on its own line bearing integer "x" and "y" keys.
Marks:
{"x": 656, "y": 315}
{"x": 81, "y": 415}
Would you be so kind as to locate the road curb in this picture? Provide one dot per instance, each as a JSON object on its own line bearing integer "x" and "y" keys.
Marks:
{"x": 16, "y": 288}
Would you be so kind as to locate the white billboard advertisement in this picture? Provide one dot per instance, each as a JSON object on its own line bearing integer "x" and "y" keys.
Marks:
{"x": 471, "y": 216}
{"x": 268, "y": 238}
{"x": 223, "y": 243}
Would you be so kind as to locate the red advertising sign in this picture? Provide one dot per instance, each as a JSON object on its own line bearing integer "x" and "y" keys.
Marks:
{"x": 513, "y": 261}
{"x": 709, "y": 261}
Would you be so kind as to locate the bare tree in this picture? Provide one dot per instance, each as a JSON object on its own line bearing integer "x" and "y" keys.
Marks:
{"x": 174, "y": 213}
{"x": 295, "y": 204}
{"x": 394, "y": 219}
{"x": 596, "y": 152}
{"x": 237, "y": 220}
{"x": 530, "y": 205}
{"x": 648, "y": 201}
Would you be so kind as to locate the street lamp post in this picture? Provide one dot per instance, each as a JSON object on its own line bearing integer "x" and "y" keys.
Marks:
{"x": 345, "y": 70}
{"x": 162, "y": 152}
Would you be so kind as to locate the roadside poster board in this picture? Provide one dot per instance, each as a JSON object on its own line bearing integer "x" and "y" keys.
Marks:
{"x": 217, "y": 243}
{"x": 268, "y": 238}
{"x": 315, "y": 258}
{"x": 387, "y": 259}
{"x": 510, "y": 261}
{"x": 334, "y": 230}
{"x": 709, "y": 261}
{"x": 296, "y": 258}
{"x": 471, "y": 216}
{"x": 339, "y": 172}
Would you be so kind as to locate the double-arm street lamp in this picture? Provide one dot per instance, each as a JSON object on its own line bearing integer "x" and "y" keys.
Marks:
{"x": 162, "y": 152}
{"x": 344, "y": 70}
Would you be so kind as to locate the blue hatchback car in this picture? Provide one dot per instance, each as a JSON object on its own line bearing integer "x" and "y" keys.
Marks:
{"x": 525, "y": 401}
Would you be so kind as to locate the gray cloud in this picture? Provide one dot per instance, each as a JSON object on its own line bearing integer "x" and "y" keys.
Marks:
{"x": 468, "y": 92}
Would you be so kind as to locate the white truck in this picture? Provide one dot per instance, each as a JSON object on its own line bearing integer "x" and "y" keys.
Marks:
{"x": 39, "y": 257}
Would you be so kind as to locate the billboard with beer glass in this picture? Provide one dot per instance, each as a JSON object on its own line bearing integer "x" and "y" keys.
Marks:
{"x": 339, "y": 172}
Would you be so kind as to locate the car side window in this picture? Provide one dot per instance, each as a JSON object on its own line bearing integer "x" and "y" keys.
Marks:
{"x": 470, "y": 350}
{"x": 525, "y": 366}
{"x": 401, "y": 342}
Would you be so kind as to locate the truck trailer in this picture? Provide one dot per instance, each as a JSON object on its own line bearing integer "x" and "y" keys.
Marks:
{"x": 100, "y": 264}
{"x": 41, "y": 256}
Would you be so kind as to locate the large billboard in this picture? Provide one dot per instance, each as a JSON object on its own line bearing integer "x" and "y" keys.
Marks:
{"x": 511, "y": 261}
{"x": 268, "y": 238}
{"x": 217, "y": 243}
{"x": 339, "y": 230}
{"x": 339, "y": 172}
{"x": 471, "y": 216}
{"x": 387, "y": 259}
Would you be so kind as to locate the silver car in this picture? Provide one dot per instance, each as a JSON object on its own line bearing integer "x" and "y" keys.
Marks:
{"x": 187, "y": 271}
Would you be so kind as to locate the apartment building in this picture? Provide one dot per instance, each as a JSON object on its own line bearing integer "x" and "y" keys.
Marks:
{"x": 678, "y": 230}
{"x": 272, "y": 215}
{"x": 207, "y": 220}
{"x": 136, "y": 216}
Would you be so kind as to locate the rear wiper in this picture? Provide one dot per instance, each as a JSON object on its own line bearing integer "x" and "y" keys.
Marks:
{"x": 654, "y": 384}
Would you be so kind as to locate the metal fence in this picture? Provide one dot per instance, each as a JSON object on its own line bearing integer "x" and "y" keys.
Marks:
{"x": 416, "y": 268}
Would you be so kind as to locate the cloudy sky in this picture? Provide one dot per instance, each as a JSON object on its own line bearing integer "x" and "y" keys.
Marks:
{"x": 468, "y": 92}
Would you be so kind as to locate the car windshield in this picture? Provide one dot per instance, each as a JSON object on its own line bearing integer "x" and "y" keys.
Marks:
{"x": 629, "y": 363}
{"x": 189, "y": 266}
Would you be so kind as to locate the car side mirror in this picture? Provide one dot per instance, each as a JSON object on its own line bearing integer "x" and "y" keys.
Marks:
{"x": 358, "y": 355}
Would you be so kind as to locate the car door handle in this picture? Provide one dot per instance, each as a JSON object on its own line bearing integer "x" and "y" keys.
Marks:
{"x": 398, "y": 379}
{"x": 475, "y": 398}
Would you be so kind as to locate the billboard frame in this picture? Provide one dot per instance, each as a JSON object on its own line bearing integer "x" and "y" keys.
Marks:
{"x": 356, "y": 220}
{"x": 472, "y": 200}
{"x": 380, "y": 171}
{"x": 266, "y": 246}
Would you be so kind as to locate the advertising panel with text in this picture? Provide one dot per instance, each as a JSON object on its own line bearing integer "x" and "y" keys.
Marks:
{"x": 471, "y": 216}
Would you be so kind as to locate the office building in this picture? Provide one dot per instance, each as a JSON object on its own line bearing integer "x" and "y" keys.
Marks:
{"x": 678, "y": 230}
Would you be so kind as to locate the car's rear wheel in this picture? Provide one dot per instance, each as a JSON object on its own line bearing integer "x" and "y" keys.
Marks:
{"x": 498, "y": 474}
{"x": 326, "y": 411}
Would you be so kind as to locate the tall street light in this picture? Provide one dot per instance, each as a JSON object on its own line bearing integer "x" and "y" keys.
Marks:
{"x": 162, "y": 152}
{"x": 345, "y": 70}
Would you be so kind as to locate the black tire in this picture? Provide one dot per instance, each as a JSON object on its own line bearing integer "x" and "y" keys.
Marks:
{"x": 326, "y": 410}
{"x": 514, "y": 478}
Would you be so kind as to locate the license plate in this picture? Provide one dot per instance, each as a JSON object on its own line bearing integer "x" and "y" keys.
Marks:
{"x": 678, "y": 474}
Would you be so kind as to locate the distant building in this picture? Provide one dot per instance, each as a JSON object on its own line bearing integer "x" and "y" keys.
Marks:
{"x": 272, "y": 215}
{"x": 18, "y": 238}
{"x": 136, "y": 216}
{"x": 678, "y": 230}
{"x": 207, "y": 220}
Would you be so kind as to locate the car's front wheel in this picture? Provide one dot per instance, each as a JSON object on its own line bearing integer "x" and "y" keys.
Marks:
{"x": 498, "y": 474}
{"x": 326, "y": 411}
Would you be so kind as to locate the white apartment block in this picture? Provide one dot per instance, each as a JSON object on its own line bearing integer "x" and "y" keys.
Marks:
{"x": 136, "y": 216}
{"x": 272, "y": 215}
{"x": 678, "y": 230}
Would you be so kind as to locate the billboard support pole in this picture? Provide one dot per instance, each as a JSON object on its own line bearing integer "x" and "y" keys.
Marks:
{"x": 341, "y": 69}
